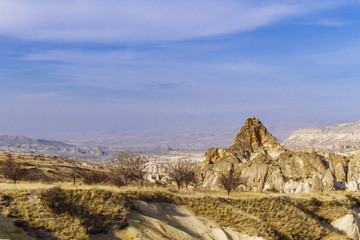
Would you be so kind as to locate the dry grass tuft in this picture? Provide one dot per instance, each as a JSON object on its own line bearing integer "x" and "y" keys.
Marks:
{"x": 75, "y": 215}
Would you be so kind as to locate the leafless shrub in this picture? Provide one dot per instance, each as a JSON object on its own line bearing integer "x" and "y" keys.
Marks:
{"x": 12, "y": 169}
{"x": 33, "y": 174}
{"x": 94, "y": 177}
{"x": 71, "y": 171}
{"x": 230, "y": 180}
{"x": 126, "y": 167}
{"x": 182, "y": 173}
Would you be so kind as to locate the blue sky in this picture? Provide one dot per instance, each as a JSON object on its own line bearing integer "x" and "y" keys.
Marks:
{"x": 85, "y": 66}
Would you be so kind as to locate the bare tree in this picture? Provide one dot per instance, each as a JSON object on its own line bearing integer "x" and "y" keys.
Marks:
{"x": 182, "y": 173}
{"x": 72, "y": 171}
{"x": 126, "y": 167}
{"x": 94, "y": 177}
{"x": 202, "y": 177}
{"x": 12, "y": 169}
{"x": 230, "y": 180}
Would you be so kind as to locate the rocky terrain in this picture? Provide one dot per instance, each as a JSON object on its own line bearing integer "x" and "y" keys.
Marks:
{"x": 21, "y": 144}
{"x": 36, "y": 208}
{"x": 341, "y": 138}
{"x": 268, "y": 166}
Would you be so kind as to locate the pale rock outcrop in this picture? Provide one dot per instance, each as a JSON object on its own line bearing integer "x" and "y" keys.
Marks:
{"x": 316, "y": 184}
{"x": 329, "y": 183}
{"x": 353, "y": 175}
{"x": 255, "y": 175}
{"x": 266, "y": 166}
{"x": 352, "y": 186}
{"x": 336, "y": 165}
{"x": 274, "y": 180}
{"x": 290, "y": 186}
{"x": 344, "y": 137}
{"x": 149, "y": 221}
{"x": 350, "y": 224}
{"x": 295, "y": 165}
{"x": 303, "y": 187}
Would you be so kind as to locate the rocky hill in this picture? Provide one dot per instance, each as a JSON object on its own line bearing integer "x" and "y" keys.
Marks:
{"x": 340, "y": 137}
{"x": 22, "y": 144}
{"x": 267, "y": 166}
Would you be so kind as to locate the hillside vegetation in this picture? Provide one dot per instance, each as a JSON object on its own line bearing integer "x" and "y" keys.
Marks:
{"x": 85, "y": 212}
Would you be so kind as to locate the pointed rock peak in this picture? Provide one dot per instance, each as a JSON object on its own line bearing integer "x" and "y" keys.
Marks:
{"x": 253, "y": 121}
{"x": 253, "y": 139}
{"x": 252, "y": 136}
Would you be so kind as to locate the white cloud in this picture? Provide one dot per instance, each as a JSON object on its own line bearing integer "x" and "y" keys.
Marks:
{"x": 140, "y": 20}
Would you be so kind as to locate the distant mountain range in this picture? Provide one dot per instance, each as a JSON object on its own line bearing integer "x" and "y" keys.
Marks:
{"x": 18, "y": 140}
{"x": 24, "y": 144}
{"x": 340, "y": 137}
{"x": 103, "y": 145}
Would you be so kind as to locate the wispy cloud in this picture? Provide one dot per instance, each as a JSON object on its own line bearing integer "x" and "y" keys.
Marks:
{"x": 139, "y": 20}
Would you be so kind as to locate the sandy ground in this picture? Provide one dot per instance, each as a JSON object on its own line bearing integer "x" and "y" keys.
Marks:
{"x": 168, "y": 221}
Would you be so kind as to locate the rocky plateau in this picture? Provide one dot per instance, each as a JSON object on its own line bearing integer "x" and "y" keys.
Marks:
{"x": 340, "y": 138}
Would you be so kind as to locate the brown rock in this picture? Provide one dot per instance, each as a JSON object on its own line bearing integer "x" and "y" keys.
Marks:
{"x": 316, "y": 185}
{"x": 254, "y": 137}
{"x": 354, "y": 169}
{"x": 336, "y": 166}
{"x": 296, "y": 165}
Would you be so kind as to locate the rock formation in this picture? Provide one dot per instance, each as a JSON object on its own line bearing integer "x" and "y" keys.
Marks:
{"x": 266, "y": 166}
{"x": 252, "y": 138}
{"x": 341, "y": 137}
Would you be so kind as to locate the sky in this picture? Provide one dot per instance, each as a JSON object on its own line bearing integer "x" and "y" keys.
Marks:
{"x": 83, "y": 66}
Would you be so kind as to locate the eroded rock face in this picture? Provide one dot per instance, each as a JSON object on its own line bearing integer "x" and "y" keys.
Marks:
{"x": 353, "y": 174}
{"x": 295, "y": 165}
{"x": 253, "y": 137}
{"x": 344, "y": 137}
{"x": 267, "y": 166}
{"x": 214, "y": 155}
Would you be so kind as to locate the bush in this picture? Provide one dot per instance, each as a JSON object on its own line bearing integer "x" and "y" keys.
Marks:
{"x": 12, "y": 169}
{"x": 116, "y": 177}
{"x": 126, "y": 167}
{"x": 55, "y": 199}
{"x": 34, "y": 175}
{"x": 94, "y": 177}
{"x": 230, "y": 180}
{"x": 183, "y": 174}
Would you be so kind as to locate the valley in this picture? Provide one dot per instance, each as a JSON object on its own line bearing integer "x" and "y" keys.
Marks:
{"x": 284, "y": 194}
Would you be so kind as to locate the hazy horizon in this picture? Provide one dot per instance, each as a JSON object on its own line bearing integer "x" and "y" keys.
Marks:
{"x": 85, "y": 66}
